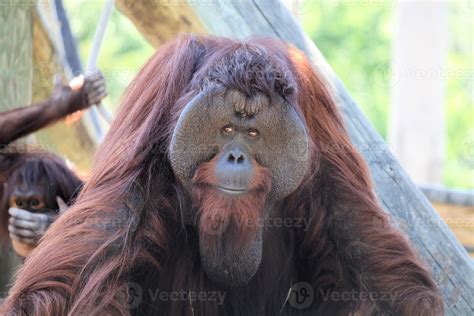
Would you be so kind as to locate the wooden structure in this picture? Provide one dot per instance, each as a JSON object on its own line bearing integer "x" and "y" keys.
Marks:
{"x": 442, "y": 195}
{"x": 453, "y": 269}
{"x": 456, "y": 207}
{"x": 417, "y": 100}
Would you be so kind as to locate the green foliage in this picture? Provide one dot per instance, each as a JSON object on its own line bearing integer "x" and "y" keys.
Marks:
{"x": 459, "y": 169}
{"x": 355, "y": 40}
{"x": 355, "y": 37}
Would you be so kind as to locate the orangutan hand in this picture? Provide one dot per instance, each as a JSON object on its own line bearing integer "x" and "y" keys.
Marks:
{"x": 27, "y": 227}
{"x": 93, "y": 86}
{"x": 81, "y": 92}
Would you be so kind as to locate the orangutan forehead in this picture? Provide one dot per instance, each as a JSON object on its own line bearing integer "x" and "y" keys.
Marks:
{"x": 251, "y": 68}
{"x": 246, "y": 106}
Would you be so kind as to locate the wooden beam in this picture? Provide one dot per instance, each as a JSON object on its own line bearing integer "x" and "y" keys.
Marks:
{"x": 417, "y": 101}
{"x": 460, "y": 220}
{"x": 451, "y": 265}
{"x": 437, "y": 194}
{"x": 160, "y": 21}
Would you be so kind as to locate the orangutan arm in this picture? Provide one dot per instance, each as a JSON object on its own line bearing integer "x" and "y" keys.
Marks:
{"x": 393, "y": 275}
{"x": 63, "y": 101}
{"x": 381, "y": 272}
{"x": 23, "y": 121}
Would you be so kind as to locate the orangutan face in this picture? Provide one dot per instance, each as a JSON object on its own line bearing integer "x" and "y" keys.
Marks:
{"x": 251, "y": 151}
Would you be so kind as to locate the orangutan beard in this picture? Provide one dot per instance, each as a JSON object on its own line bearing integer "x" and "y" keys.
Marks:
{"x": 230, "y": 227}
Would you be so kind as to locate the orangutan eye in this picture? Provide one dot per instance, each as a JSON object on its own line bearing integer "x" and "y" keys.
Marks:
{"x": 228, "y": 129}
{"x": 252, "y": 133}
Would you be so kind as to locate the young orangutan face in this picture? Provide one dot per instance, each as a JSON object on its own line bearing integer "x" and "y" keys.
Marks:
{"x": 29, "y": 203}
{"x": 251, "y": 152}
{"x": 29, "y": 193}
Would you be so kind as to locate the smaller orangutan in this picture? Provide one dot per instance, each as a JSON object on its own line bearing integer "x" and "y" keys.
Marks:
{"x": 36, "y": 187}
{"x": 43, "y": 175}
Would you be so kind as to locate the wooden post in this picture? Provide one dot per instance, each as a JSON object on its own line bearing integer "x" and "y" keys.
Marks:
{"x": 160, "y": 21}
{"x": 416, "y": 133}
{"x": 453, "y": 269}
{"x": 16, "y": 61}
{"x": 16, "y": 73}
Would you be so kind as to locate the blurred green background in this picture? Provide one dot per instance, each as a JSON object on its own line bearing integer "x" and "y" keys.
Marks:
{"x": 355, "y": 37}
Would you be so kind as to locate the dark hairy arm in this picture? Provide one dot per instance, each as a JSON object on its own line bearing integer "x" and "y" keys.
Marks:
{"x": 64, "y": 100}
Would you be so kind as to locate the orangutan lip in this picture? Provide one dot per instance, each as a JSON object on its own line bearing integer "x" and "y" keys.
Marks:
{"x": 231, "y": 190}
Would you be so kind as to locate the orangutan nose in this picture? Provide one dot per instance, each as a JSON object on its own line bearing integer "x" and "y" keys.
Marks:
{"x": 236, "y": 156}
{"x": 234, "y": 169}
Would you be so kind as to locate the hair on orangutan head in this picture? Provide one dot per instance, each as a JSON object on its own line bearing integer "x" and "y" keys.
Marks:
{"x": 215, "y": 143}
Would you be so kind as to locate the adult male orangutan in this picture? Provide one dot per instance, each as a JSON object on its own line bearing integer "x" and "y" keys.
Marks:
{"x": 227, "y": 174}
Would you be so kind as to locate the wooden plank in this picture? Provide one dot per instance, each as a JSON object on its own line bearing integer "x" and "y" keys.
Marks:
{"x": 461, "y": 221}
{"x": 16, "y": 64}
{"x": 451, "y": 265}
{"x": 458, "y": 197}
{"x": 160, "y": 21}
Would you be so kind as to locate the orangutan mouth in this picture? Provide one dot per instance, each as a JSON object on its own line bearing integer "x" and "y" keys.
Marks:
{"x": 231, "y": 191}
